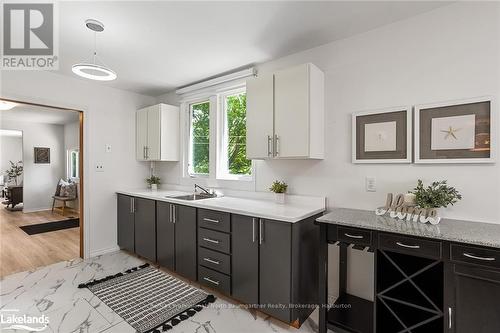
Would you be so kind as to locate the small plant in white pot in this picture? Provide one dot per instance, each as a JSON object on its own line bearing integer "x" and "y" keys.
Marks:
{"x": 437, "y": 195}
{"x": 153, "y": 182}
{"x": 279, "y": 189}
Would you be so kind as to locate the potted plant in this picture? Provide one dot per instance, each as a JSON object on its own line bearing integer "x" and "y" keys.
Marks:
{"x": 437, "y": 195}
{"x": 16, "y": 170}
{"x": 153, "y": 182}
{"x": 279, "y": 189}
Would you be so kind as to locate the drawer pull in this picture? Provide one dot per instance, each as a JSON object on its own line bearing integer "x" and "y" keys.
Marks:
{"x": 211, "y": 281}
{"x": 408, "y": 246}
{"x": 353, "y": 236}
{"x": 478, "y": 258}
{"x": 210, "y": 220}
{"x": 215, "y": 262}
{"x": 210, "y": 240}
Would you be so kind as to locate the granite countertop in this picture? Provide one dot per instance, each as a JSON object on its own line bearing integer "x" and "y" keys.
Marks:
{"x": 476, "y": 233}
{"x": 295, "y": 209}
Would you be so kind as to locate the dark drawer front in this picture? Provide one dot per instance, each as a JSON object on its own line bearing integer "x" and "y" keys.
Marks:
{"x": 475, "y": 255}
{"x": 215, "y": 280}
{"x": 410, "y": 245}
{"x": 214, "y": 260}
{"x": 354, "y": 236}
{"x": 214, "y": 240}
{"x": 212, "y": 219}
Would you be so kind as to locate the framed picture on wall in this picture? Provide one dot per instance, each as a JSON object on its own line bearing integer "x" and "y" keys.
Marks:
{"x": 42, "y": 155}
{"x": 455, "y": 132}
{"x": 382, "y": 136}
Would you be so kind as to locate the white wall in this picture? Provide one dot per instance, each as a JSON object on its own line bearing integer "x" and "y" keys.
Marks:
{"x": 109, "y": 118}
{"x": 446, "y": 54}
{"x": 40, "y": 180}
{"x": 11, "y": 149}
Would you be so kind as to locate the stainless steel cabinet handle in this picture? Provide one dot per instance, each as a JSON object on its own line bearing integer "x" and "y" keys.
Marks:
{"x": 210, "y": 240}
{"x": 144, "y": 152}
{"x": 276, "y": 145}
{"x": 269, "y": 146}
{"x": 210, "y": 220}
{"x": 253, "y": 229}
{"x": 479, "y": 258}
{"x": 174, "y": 213}
{"x": 211, "y": 281}
{"x": 170, "y": 207}
{"x": 449, "y": 318}
{"x": 408, "y": 246}
{"x": 261, "y": 232}
{"x": 353, "y": 236}
{"x": 147, "y": 152}
{"x": 215, "y": 262}
{"x": 131, "y": 205}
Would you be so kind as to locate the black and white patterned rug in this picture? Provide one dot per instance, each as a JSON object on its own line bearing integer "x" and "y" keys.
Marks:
{"x": 148, "y": 299}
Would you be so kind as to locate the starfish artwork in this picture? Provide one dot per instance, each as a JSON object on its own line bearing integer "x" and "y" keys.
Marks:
{"x": 450, "y": 133}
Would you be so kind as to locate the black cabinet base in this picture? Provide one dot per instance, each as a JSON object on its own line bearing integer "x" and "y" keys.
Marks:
{"x": 351, "y": 314}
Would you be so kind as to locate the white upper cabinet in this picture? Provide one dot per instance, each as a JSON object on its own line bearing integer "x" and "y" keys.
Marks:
{"x": 260, "y": 101}
{"x": 157, "y": 133}
{"x": 289, "y": 104}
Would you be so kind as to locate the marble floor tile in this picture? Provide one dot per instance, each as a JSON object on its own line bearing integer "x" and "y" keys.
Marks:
{"x": 53, "y": 291}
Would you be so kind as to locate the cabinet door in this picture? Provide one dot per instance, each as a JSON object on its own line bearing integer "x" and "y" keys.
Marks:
{"x": 145, "y": 228}
{"x": 476, "y": 298}
{"x": 245, "y": 259}
{"x": 275, "y": 267}
{"x": 154, "y": 133}
{"x": 260, "y": 116}
{"x": 141, "y": 133}
{"x": 165, "y": 235}
{"x": 125, "y": 222}
{"x": 185, "y": 241}
{"x": 291, "y": 112}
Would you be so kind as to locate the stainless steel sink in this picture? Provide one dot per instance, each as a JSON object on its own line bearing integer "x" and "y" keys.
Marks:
{"x": 195, "y": 196}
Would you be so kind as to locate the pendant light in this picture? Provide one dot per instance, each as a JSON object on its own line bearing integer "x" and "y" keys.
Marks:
{"x": 94, "y": 69}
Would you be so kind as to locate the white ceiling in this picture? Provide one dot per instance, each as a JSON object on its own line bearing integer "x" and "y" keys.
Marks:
{"x": 38, "y": 114}
{"x": 156, "y": 47}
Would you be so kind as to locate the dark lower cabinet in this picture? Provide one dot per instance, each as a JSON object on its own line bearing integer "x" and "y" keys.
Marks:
{"x": 165, "y": 235}
{"x": 145, "y": 228}
{"x": 245, "y": 259}
{"x": 474, "y": 301}
{"x": 185, "y": 241}
{"x": 275, "y": 272}
{"x": 125, "y": 222}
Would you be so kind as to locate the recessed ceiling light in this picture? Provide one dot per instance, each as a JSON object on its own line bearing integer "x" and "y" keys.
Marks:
{"x": 5, "y": 105}
{"x": 92, "y": 70}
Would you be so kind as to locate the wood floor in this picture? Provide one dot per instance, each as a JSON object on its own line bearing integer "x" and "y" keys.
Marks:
{"x": 20, "y": 251}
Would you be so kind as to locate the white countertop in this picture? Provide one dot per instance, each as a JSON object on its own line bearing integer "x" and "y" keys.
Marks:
{"x": 295, "y": 209}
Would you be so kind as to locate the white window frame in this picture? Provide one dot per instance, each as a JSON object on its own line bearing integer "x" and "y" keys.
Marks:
{"x": 222, "y": 139}
{"x": 69, "y": 164}
{"x": 190, "y": 138}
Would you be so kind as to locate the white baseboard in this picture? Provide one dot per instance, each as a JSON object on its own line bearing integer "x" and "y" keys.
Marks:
{"x": 104, "y": 251}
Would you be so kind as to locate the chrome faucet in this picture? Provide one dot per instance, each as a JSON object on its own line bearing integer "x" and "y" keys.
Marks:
{"x": 196, "y": 186}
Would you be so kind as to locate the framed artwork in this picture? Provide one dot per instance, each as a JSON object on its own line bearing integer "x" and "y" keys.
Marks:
{"x": 455, "y": 132}
{"x": 42, "y": 155}
{"x": 382, "y": 136}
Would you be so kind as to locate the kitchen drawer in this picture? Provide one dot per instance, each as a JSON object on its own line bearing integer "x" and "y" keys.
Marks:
{"x": 475, "y": 255}
{"x": 214, "y": 260}
{"x": 214, "y": 240}
{"x": 354, "y": 236}
{"x": 215, "y": 220}
{"x": 410, "y": 245}
{"x": 215, "y": 280}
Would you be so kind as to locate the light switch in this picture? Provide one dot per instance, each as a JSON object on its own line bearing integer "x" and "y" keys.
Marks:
{"x": 107, "y": 148}
{"x": 371, "y": 184}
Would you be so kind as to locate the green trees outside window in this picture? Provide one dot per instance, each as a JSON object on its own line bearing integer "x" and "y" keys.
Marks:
{"x": 236, "y": 109}
{"x": 200, "y": 137}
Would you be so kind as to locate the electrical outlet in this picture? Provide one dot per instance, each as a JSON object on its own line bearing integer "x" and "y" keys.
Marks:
{"x": 99, "y": 167}
{"x": 370, "y": 184}
{"x": 107, "y": 148}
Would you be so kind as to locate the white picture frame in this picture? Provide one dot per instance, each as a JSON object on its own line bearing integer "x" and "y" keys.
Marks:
{"x": 409, "y": 136}
{"x": 493, "y": 131}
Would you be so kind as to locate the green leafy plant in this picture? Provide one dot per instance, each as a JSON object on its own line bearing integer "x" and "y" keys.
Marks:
{"x": 278, "y": 187}
{"x": 16, "y": 170}
{"x": 153, "y": 180}
{"x": 438, "y": 194}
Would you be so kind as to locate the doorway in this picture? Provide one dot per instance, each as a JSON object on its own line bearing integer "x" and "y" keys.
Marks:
{"x": 41, "y": 216}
